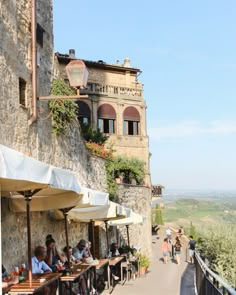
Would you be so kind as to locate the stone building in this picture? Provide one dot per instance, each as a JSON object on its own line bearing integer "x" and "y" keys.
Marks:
{"x": 35, "y": 138}
{"x": 115, "y": 105}
{"x": 25, "y": 124}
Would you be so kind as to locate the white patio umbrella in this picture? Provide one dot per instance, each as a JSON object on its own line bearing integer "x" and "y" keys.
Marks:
{"x": 112, "y": 211}
{"x": 38, "y": 183}
{"x": 134, "y": 218}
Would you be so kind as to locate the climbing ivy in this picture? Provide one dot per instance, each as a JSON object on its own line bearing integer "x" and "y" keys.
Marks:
{"x": 127, "y": 168}
{"x": 63, "y": 111}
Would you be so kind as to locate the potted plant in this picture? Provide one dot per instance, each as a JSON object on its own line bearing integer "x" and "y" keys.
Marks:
{"x": 144, "y": 263}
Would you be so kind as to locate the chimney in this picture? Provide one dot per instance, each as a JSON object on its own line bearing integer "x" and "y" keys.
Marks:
{"x": 127, "y": 63}
{"x": 72, "y": 53}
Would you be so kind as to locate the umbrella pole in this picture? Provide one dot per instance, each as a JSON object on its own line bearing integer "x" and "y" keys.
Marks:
{"x": 28, "y": 198}
{"x": 107, "y": 236}
{"x": 67, "y": 239}
{"x": 117, "y": 235}
{"x": 127, "y": 229}
{"x": 92, "y": 238}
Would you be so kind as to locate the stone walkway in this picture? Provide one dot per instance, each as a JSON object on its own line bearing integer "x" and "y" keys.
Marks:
{"x": 168, "y": 279}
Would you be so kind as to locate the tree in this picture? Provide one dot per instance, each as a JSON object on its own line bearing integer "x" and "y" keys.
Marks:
{"x": 158, "y": 216}
{"x": 192, "y": 230}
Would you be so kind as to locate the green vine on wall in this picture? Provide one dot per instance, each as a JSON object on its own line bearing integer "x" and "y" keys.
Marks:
{"x": 63, "y": 111}
{"x": 128, "y": 168}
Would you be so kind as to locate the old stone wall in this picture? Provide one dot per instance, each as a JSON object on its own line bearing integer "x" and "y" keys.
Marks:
{"x": 138, "y": 198}
{"x": 14, "y": 234}
{"x": 37, "y": 140}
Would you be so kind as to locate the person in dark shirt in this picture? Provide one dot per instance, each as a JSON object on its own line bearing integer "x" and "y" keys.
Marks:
{"x": 191, "y": 246}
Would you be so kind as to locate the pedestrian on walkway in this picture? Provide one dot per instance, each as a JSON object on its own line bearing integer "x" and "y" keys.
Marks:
{"x": 191, "y": 246}
{"x": 177, "y": 248}
{"x": 165, "y": 250}
{"x": 168, "y": 234}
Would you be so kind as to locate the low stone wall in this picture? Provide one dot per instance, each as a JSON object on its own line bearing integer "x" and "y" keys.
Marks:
{"x": 138, "y": 198}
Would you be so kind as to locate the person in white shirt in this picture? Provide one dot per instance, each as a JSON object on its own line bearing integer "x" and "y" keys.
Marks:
{"x": 168, "y": 234}
{"x": 39, "y": 266}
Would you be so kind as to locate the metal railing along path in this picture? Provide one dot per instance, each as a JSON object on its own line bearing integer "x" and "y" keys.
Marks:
{"x": 209, "y": 283}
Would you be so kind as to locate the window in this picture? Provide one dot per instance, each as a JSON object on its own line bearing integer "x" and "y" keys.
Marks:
{"x": 22, "y": 92}
{"x": 131, "y": 128}
{"x": 106, "y": 118}
{"x": 39, "y": 34}
{"x": 131, "y": 119}
{"x": 106, "y": 125}
{"x": 84, "y": 113}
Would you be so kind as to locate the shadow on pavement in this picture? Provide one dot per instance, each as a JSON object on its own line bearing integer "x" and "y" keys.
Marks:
{"x": 187, "y": 281}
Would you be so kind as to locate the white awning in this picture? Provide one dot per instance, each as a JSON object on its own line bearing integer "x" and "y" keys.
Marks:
{"x": 134, "y": 218}
{"x": 59, "y": 188}
{"x": 112, "y": 211}
{"x": 20, "y": 173}
{"x": 93, "y": 198}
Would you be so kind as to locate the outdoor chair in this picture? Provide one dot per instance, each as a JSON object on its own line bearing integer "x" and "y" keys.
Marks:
{"x": 126, "y": 268}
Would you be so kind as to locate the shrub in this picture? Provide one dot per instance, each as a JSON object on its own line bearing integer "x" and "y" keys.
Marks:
{"x": 63, "y": 111}
{"x": 93, "y": 135}
{"x": 144, "y": 261}
{"x": 99, "y": 150}
{"x": 218, "y": 244}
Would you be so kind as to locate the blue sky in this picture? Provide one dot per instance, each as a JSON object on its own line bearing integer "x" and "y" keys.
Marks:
{"x": 187, "y": 53}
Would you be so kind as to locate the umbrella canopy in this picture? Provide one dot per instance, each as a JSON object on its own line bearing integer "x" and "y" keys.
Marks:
{"x": 28, "y": 177}
{"x": 133, "y": 218}
{"x": 111, "y": 211}
{"x": 93, "y": 198}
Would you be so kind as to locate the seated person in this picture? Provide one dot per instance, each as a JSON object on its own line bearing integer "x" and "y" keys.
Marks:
{"x": 115, "y": 270}
{"x": 79, "y": 252}
{"x": 7, "y": 280}
{"x": 53, "y": 258}
{"x": 72, "y": 257}
{"x": 88, "y": 249}
{"x": 114, "y": 250}
{"x": 39, "y": 267}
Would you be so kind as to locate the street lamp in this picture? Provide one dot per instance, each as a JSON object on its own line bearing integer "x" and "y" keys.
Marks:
{"x": 77, "y": 73}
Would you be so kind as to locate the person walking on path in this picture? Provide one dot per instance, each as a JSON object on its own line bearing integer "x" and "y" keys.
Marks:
{"x": 177, "y": 248}
{"x": 165, "y": 250}
{"x": 191, "y": 246}
{"x": 168, "y": 234}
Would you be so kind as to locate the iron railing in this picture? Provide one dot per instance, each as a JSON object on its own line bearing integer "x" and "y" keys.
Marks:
{"x": 209, "y": 283}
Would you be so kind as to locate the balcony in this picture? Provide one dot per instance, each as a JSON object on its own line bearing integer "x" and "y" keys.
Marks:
{"x": 111, "y": 90}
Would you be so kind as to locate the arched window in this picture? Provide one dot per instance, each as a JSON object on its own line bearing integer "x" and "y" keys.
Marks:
{"x": 106, "y": 118}
{"x": 84, "y": 113}
{"x": 131, "y": 123}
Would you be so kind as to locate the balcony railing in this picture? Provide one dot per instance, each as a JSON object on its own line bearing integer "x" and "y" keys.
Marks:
{"x": 209, "y": 283}
{"x": 95, "y": 88}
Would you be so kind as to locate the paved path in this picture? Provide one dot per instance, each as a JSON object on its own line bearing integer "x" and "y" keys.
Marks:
{"x": 164, "y": 279}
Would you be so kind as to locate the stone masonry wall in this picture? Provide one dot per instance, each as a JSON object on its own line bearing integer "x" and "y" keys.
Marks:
{"x": 14, "y": 234}
{"x": 138, "y": 198}
{"x": 37, "y": 140}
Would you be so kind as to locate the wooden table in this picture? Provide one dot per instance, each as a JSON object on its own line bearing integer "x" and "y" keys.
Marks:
{"x": 38, "y": 282}
{"x": 115, "y": 260}
{"x": 76, "y": 271}
{"x": 104, "y": 263}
